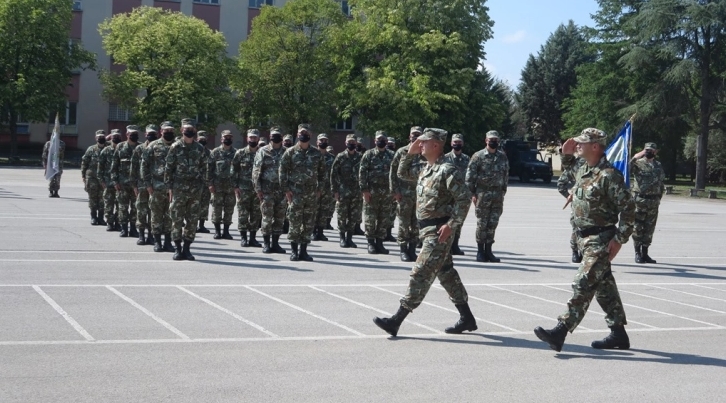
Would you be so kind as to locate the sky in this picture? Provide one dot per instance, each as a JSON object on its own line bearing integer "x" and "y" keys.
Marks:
{"x": 522, "y": 26}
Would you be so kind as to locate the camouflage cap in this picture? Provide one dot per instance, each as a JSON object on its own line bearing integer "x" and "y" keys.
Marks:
{"x": 288, "y": 137}
{"x": 592, "y": 135}
{"x": 201, "y": 133}
{"x": 381, "y": 133}
{"x": 330, "y": 149}
{"x": 100, "y": 133}
{"x": 253, "y": 133}
{"x": 262, "y": 141}
{"x": 166, "y": 125}
{"x": 275, "y": 130}
{"x": 226, "y": 133}
{"x": 350, "y": 136}
{"x": 115, "y": 132}
{"x": 392, "y": 140}
{"x": 132, "y": 128}
{"x": 303, "y": 127}
{"x": 322, "y": 136}
{"x": 188, "y": 121}
{"x": 358, "y": 139}
{"x": 492, "y": 134}
{"x": 651, "y": 146}
{"x": 416, "y": 129}
{"x": 200, "y": 138}
{"x": 433, "y": 134}
{"x": 152, "y": 128}
{"x": 457, "y": 136}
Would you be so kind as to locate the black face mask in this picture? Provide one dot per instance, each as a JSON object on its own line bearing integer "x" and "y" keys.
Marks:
{"x": 116, "y": 140}
{"x": 493, "y": 145}
{"x": 151, "y": 137}
{"x": 276, "y": 138}
{"x": 457, "y": 147}
{"x": 101, "y": 140}
{"x": 322, "y": 145}
{"x": 351, "y": 146}
{"x": 134, "y": 137}
{"x": 203, "y": 142}
{"x": 381, "y": 143}
{"x": 168, "y": 136}
{"x": 287, "y": 144}
{"x": 252, "y": 144}
{"x": 303, "y": 138}
{"x": 649, "y": 155}
{"x": 390, "y": 147}
{"x": 188, "y": 133}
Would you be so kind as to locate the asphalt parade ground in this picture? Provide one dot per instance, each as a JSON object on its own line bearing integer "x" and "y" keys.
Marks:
{"x": 86, "y": 316}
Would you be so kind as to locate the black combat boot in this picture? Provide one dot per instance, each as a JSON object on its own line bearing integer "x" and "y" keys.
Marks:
{"x": 285, "y": 226}
{"x": 321, "y": 234}
{"x": 380, "y": 248}
{"x": 266, "y": 241}
{"x": 276, "y": 248}
{"x": 124, "y": 231}
{"x": 142, "y": 238}
{"x": 349, "y": 240}
{"x": 50, "y": 193}
{"x": 343, "y": 243}
{"x": 294, "y": 256}
{"x": 357, "y": 230}
{"x": 217, "y": 231}
{"x": 187, "y": 254}
{"x": 389, "y": 236}
{"x": 488, "y": 255}
{"x": 644, "y": 255}
{"x": 253, "y": 240}
{"x": 132, "y": 230}
{"x": 391, "y": 325}
{"x": 225, "y": 232}
{"x": 244, "y": 242}
{"x": 167, "y": 243}
{"x": 202, "y": 229}
{"x": 317, "y": 232}
{"x": 455, "y": 250}
{"x": 617, "y": 339}
{"x": 466, "y": 321}
{"x": 94, "y": 218}
{"x": 150, "y": 238}
{"x": 117, "y": 225}
{"x": 404, "y": 252}
{"x": 55, "y": 194}
{"x": 372, "y": 246}
{"x": 109, "y": 225}
{"x": 328, "y": 226}
{"x": 178, "y": 251}
{"x": 157, "y": 243}
{"x": 638, "y": 253}
{"x": 554, "y": 337}
{"x": 576, "y": 256}
{"x": 304, "y": 253}
{"x": 419, "y": 244}
{"x": 480, "y": 252}
{"x": 412, "y": 251}
{"x": 99, "y": 214}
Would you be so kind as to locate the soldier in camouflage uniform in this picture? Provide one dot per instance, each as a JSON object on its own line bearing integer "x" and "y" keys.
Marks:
{"x": 221, "y": 185}
{"x": 153, "y": 166}
{"x": 391, "y": 145}
{"x": 266, "y": 181}
{"x": 361, "y": 150}
{"x": 346, "y": 191}
{"x": 287, "y": 142}
{"x": 441, "y": 205}
{"x": 248, "y": 204}
{"x": 206, "y": 194}
{"x": 487, "y": 177}
{"x": 331, "y": 151}
{"x": 326, "y": 205}
{"x": 570, "y": 165}
{"x": 648, "y": 189}
{"x": 302, "y": 176}
{"x": 375, "y": 168}
{"x": 461, "y": 162}
{"x": 404, "y": 192}
{"x": 54, "y": 184}
{"x": 104, "y": 175}
{"x": 121, "y": 180}
{"x": 143, "y": 212}
{"x": 599, "y": 197}
{"x": 91, "y": 182}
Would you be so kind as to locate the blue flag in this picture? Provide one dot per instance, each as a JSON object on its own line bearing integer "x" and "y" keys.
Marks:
{"x": 618, "y": 152}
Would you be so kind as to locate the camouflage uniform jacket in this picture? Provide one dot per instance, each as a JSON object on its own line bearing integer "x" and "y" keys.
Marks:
{"x": 461, "y": 162}
{"x": 488, "y": 172}
{"x": 61, "y": 154}
{"x": 599, "y": 196}
{"x": 375, "y": 169}
{"x": 105, "y": 160}
{"x": 89, "y": 161}
{"x": 153, "y": 164}
{"x": 136, "y": 165}
{"x": 186, "y": 166}
{"x": 344, "y": 174}
{"x": 266, "y": 171}
{"x": 399, "y": 185}
{"x": 570, "y": 166}
{"x": 328, "y": 160}
{"x": 302, "y": 170}
{"x": 649, "y": 177}
{"x": 440, "y": 192}
{"x": 220, "y": 172}
{"x": 121, "y": 165}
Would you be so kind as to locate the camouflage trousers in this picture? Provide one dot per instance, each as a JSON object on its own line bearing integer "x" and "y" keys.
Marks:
{"x": 184, "y": 211}
{"x": 489, "y": 207}
{"x": 348, "y": 210}
{"x": 95, "y": 193}
{"x": 326, "y": 207}
{"x": 434, "y": 261}
{"x": 273, "y": 207}
{"x": 204, "y": 202}
{"x": 394, "y": 211}
{"x": 594, "y": 278}
{"x": 249, "y": 211}
{"x": 407, "y": 221}
{"x": 573, "y": 237}
{"x": 377, "y": 214}
{"x": 110, "y": 203}
{"x": 54, "y": 184}
{"x": 126, "y": 205}
{"x": 143, "y": 211}
{"x": 160, "y": 217}
{"x": 301, "y": 215}
{"x": 646, "y": 216}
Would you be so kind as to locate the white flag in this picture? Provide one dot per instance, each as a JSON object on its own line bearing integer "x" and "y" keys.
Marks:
{"x": 618, "y": 153}
{"x": 53, "y": 163}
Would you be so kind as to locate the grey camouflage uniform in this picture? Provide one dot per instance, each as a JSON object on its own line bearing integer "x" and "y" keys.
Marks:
{"x": 374, "y": 177}
{"x": 186, "y": 169}
{"x": 266, "y": 179}
{"x": 648, "y": 190}
{"x": 487, "y": 177}
{"x": 302, "y": 172}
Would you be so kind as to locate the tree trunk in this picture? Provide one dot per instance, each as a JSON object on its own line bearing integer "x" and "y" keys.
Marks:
{"x": 705, "y": 113}
{"x": 13, "y": 126}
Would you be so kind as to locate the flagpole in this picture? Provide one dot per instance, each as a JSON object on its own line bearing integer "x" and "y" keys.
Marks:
{"x": 630, "y": 140}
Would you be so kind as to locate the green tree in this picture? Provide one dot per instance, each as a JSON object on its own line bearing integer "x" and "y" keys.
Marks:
{"x": 286, "y": 68}
{"x": 175, "y": 67}
{"x": 37, "y": 61}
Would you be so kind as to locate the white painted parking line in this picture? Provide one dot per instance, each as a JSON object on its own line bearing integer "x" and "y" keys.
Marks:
{"x": 150, "y": 314}
{"x": 454, "y": 311}
{"x": 337, "y": 285}
{"x": 708, "y": 288}
{"x": 228, "y": 312}
{"x": 64, "y": 314}
{"x": 306, "y": 311}
{"x": 688, "y": 293}
{"x": 675, "y": 302}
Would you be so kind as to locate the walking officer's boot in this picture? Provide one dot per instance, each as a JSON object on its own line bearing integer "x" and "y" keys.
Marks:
{"x": 466, "y": 322}
{"x": 617, "y": 339}
{"x": 554, "y": 337}
{"x": 392, "y": 324}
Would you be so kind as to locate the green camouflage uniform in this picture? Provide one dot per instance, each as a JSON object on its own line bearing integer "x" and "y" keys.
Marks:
{"x": 143, "y": 212}
{"x": 570, "y": 166}
{"x": 206, "y": 195}
{"x": 249, "y": 211}
{"x": 374, "y": 177}
{"x": 326, "y": 205}
{"x": 441, "y": 194}
{"x": 302, "y": 172}
{"x": 186, "y": 168}
{"x": 54, "y": 184}
{"x": 406, "y": 211}
{"x": 648, "y": 190}
{"x": 599, "y": 196}
{"x": 121, "y": 175}
{"x": 344, "y": 181}
{"x": 461, "y": 162}
{"x": 104, "y": 175}
{"x": 220, "y": 175}
{"x": 153, "y": 166}
{"x": 89, "y": 172}
{"x": 486, "y": 177}
{"x": 266, "y": 179}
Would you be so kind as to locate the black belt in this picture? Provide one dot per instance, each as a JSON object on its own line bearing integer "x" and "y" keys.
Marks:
{"x": 433, "y": 222}
{"x": 582, "y": 233}
{"x": 642, "y": 196}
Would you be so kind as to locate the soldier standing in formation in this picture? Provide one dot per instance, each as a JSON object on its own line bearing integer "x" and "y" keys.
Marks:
{"x": 153, "y": 167}
{"x": 391, "y": 145}
{"x": 345, "y": 187}
{"x": 361, "y": 150}
{"x": 404, "y": 192}
{"x": 104, "y": 175}
{"x": 487, "y": 176}
{"x": 287, "y": 142}
{"x": 648, "y": 189}
{"x": 54, "y": 184}
{"x": 374, "y": 184}
{"x": 570, "y": 165}
{"x": 206, "y": 194}
{"x": 143, "y": 212}
{"x": 302, "y": 171}
{"x": 121, "y": 181}
{"x": 599, "y": 199}
{"x": 460, "y": 160}
{"x": 248, "y": 204}
{"x": 91, "y": 182}
{"x": 266, "y": 181}
{"x": 221, "y": 185}
{"x": 441, "y": 207}
{"x": 326, "y": 205}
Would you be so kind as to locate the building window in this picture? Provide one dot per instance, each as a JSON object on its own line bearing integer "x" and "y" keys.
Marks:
{"x": 346, "y": 8}
{"x": 260, "y": 3}
{"x": 345, "y": 125}
{"x": 67, "y": 116}
{"x": 77, "y": 5}
{"x": 207, "y": 1}
{"x": 119, "y": 114}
